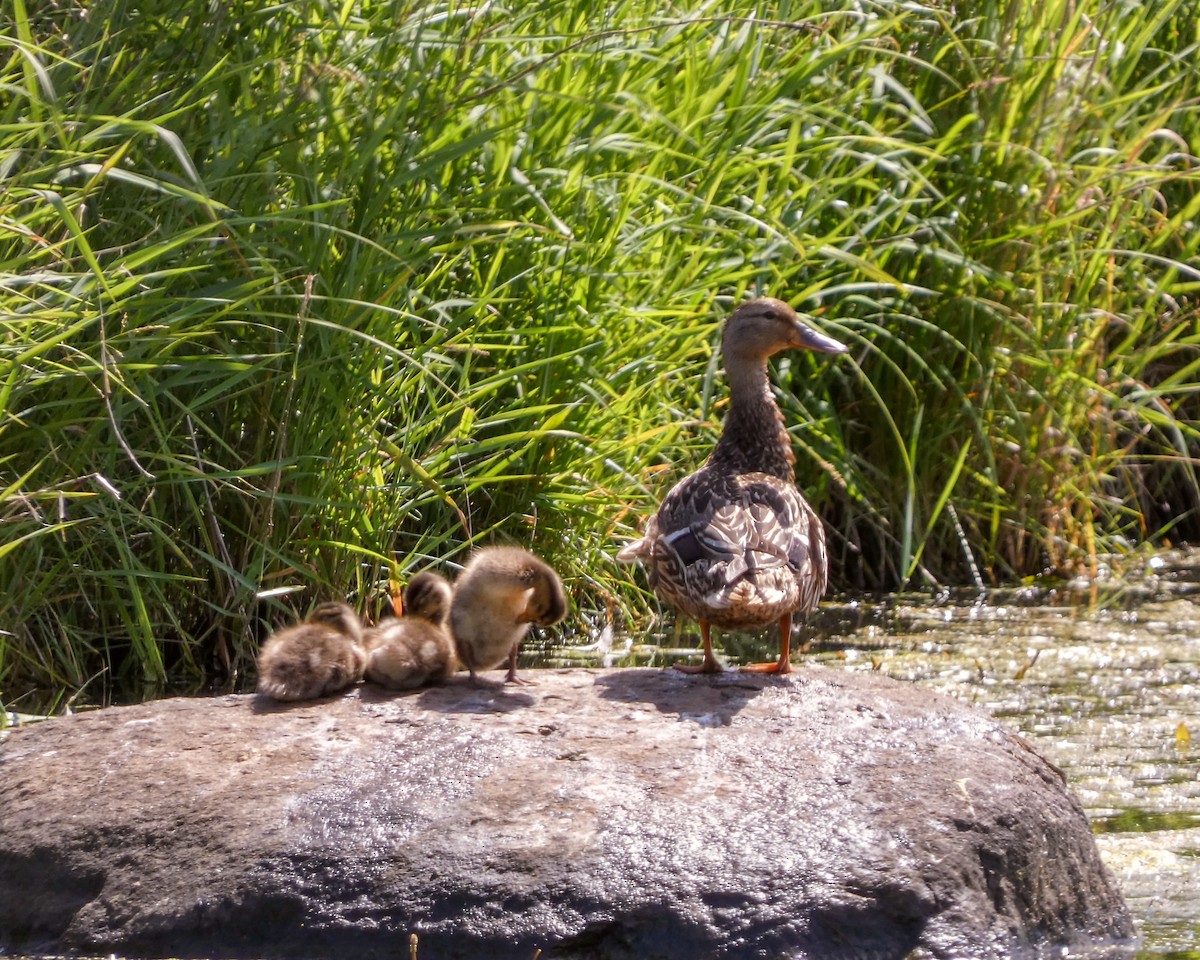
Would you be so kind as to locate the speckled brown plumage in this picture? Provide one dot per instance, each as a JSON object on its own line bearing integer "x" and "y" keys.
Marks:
{"x": 735, "y": 544}
{"x": 314, "y": 658}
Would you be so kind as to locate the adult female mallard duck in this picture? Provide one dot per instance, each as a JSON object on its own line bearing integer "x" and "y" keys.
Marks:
{"x": 315, "y": 657}
{"x": 735, "y": 544}
{"x": 500, "y": 592}
{"x": 410, "y": 651}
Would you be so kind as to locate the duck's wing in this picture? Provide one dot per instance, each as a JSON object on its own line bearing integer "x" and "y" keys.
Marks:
{"x": 749, "y": 522}
{"x": 784, "y": 529}
{"x": 716, "y": 532}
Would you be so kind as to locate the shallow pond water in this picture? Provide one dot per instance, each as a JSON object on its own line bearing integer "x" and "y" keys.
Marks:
{"x": 1110, "y": 696}
{"x": 1106, "y": 685}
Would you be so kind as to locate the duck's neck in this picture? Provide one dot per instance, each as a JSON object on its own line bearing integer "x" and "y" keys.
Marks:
{"x": 753, "y": 438}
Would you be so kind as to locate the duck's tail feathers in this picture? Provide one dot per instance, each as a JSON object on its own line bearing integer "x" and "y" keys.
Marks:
{"x": 634, "y": 552}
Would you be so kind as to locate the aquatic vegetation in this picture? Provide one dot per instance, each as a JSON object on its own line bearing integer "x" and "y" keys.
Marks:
{"x": 342, "y": 291}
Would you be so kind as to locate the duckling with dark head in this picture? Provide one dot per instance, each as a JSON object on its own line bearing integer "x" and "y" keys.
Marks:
{"x": 499, "y": 594}
{"x": 314, "y": 658}
{"x": 735, "y": 544}
{"x": 413, "y": 650}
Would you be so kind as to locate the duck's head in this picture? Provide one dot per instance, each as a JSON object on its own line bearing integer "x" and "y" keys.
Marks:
{"x": 428, "y": 596}
{"x": 339, "y": 616}
{"x": 547, "y": 602}
{"x": 761, "y": 328}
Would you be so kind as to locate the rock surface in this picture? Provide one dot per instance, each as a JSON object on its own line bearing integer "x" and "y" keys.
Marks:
{"x": 600, "y": 814}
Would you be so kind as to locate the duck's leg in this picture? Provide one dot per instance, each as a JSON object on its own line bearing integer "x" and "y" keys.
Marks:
{"x": 784, "y": 664}
{"x": 710, "y": 664}
{"x": 511, "y": 676}
{"x": 468, "y": 661}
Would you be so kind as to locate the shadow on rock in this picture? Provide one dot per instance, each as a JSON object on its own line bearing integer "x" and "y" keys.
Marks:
{"x": 265, "y": 705}
{"x": 458, "y": 695}
{"x": 709, "y": 701}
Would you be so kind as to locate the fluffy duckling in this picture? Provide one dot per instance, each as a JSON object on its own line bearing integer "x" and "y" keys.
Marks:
{"x": 415, "y": 649}
{"x": 314, "y": 658}
{"x": 500, "y": 592}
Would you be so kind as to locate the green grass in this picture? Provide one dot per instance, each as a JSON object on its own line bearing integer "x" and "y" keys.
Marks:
{"x": 299, "y": 298}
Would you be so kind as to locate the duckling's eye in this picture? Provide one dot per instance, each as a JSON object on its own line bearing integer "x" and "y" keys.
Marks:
{"x": 771, "y": 313}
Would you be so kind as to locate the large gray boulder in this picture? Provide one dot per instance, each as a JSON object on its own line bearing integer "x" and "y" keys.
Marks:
{"x": 599, "y": 814}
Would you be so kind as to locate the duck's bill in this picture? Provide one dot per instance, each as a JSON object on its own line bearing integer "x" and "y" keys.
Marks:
{"x": 810, "y": 339}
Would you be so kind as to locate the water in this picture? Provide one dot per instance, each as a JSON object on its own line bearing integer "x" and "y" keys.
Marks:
{"x": 1111, "y": 697}
{"x": 1106, "y": 683}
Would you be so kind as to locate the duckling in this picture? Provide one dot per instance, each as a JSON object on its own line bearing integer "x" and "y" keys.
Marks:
{"x": 415, "y": 649}
{"x": 500, "y": 592}
{"x": 316, "y": 657}
{"x": 735, "y": 544}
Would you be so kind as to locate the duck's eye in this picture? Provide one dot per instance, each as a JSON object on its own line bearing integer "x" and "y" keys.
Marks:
{"x": 771, "y": 313}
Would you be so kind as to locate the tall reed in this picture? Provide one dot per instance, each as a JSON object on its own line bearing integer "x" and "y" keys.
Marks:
{"x": 299, "y": 299}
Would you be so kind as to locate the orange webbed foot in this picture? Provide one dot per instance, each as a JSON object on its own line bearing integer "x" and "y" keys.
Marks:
{"x": 706, "y": 667}
{"x": 775, "y": 666}
{"x": 711, "y": 664}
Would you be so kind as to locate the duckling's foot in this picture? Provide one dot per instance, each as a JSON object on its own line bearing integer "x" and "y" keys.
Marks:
{"x": 511, "y": 676}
